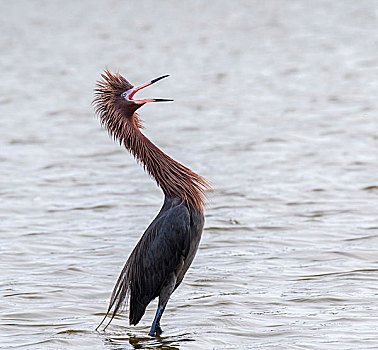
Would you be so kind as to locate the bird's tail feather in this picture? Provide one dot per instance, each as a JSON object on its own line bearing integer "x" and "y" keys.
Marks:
{"x": 119, "y": 295}
{"x": 130, "y": 282}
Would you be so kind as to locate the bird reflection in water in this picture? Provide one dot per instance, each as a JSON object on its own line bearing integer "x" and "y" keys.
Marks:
{"x": 159, "y": 342}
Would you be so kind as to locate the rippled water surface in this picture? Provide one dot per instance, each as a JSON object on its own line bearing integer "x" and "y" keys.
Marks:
{"x": 275, "y": 103}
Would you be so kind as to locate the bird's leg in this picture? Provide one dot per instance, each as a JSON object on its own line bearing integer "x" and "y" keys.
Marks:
{"x": 156, "y": 324}
{"x": 158, "y": 329}
{"x": 163, "y": 300}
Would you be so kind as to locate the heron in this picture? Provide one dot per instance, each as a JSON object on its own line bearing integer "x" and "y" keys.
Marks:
{"x": 161, "y": 258}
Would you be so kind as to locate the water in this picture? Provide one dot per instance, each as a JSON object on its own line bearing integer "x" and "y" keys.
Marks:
{"x": 275, "y": 104}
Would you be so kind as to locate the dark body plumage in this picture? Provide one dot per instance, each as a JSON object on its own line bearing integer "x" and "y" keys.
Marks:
{"x": 161, "y": 258}
{"x": 159, "y": 261}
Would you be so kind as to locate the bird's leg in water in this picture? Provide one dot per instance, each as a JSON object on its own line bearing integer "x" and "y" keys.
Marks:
{"x": 165, "y": 293}
{"x": 156, "y": 329}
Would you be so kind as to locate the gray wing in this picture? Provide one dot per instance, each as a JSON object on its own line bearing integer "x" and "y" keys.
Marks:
{"x": 168, "y": 241}
{"x": 154, "y": 258}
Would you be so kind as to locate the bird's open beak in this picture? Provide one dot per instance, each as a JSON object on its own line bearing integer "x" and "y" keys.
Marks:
{"x": 134, "y": 90}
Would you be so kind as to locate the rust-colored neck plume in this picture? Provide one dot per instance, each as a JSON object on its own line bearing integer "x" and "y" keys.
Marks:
{"x": 124, "y": 124}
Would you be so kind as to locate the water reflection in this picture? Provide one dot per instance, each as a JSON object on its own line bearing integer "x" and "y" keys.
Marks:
{"x": 145, "y": 342}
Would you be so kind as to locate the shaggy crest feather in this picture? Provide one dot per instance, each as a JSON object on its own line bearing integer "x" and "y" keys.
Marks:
{"x": 124, "y": 125}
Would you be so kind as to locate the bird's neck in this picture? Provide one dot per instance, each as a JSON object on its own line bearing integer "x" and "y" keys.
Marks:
{"x": 175, "y": 180}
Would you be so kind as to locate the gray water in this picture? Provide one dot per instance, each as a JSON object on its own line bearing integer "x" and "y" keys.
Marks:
{"x": 275, "y": 104}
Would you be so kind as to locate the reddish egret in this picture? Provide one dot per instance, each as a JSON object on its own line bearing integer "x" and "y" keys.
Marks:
{"x": 158, "y": 263}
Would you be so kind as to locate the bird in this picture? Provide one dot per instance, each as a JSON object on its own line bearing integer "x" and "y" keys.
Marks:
{"x": 161, "y": 258}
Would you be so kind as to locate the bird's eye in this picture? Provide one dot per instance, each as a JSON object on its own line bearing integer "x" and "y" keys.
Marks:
{"x": 123, "y": 94}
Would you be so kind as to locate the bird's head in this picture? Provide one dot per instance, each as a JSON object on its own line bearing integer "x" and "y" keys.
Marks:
{"x": 114, "y": 98}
